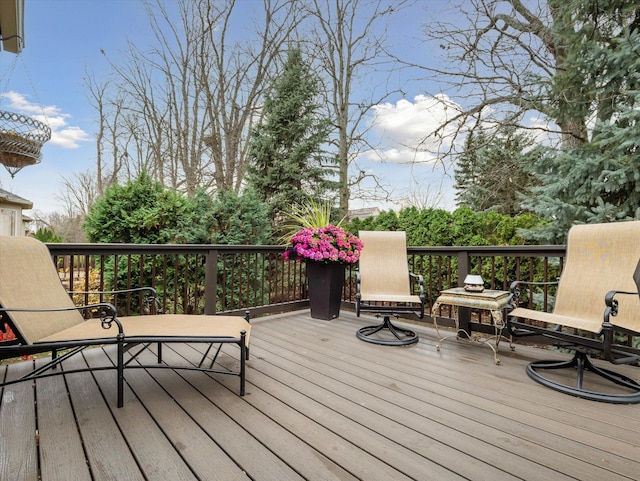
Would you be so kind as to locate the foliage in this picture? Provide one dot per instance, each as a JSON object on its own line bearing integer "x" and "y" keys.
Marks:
{"x": 597, "y": 180}
{"x": 240, "y": 219}
{"x": 463, "y": 227}
{"x": 575, "y": 62}
{"x": 230, "y": 219}
{"x": 196, "y": 224}
{"x": 143, "y": 212}
{"x": 287, "y": 163}
{"x": 47, "y": 235}
{"x": 311, "y": 214}
{"x": 493, "y": 171}
{"x": 438, "y": 227}
{"x": 328, "y": 245}
{"x": 139, "y": 212}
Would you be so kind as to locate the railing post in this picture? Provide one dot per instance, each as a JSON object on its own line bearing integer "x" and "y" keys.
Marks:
{"x": 211, "y": 281}
{"x": 464, "y": 266}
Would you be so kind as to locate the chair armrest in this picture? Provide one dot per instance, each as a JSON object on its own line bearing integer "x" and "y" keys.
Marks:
{"x": 420, "y": 280}
{"x": 149, "y": 299}
{"x": 514, "y": 288}
{"x": 121, "y": 291}
{"x": 514, "y": 285}
{"x": 612, "y": 303}
{"x": 107, "y": 314}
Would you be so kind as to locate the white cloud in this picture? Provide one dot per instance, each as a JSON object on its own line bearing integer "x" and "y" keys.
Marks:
{"x": 406, "y": 131}
{"x": 62, "y": 135}
{"x": 404, "y": 167}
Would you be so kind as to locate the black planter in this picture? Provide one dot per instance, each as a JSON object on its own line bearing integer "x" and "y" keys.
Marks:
{"x": 325, "y": 283}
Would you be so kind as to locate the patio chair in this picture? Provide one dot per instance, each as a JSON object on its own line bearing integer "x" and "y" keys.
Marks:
{"x": 596, "y": 299}
{"x": 384, "y": 286}
{"x": 44, "y": 318}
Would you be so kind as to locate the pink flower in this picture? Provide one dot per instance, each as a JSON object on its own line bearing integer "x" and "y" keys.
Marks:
{"x": 324, "y": 244}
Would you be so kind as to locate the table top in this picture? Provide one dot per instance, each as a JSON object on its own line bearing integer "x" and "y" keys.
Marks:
{"x": 487, "y": 293}
{"x": 487, "y": 299}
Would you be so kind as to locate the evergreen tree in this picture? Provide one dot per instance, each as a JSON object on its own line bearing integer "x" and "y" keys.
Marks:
{"x": 599, "y": 179}
{"x": 287, "y": 164}
{"x": 492, "y": 172}
{"x": 139, "y": 212}
{"x": 240, "y": 219}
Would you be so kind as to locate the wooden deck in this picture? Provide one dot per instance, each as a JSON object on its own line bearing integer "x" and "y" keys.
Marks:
{"x": 320, "y": 405}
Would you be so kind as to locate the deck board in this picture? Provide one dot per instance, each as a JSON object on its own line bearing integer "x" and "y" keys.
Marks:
{"x": 463, "y": 412}
{"x": 320, "y": 405}
{"x": 108, "y": 454}
{"x": 18, "y": 447}
{"x": 56, "y": 422}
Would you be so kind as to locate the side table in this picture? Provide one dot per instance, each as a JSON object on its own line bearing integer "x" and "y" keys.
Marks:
{"x": 490, "y": 300}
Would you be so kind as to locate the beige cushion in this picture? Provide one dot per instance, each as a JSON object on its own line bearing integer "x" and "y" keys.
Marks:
{"x": 600, "y": 258}
{"x": 585, "y": 324}
{"x": 28, "y": 279}
{"x": 158, "y": 326}
{"x": 384, "y": 271}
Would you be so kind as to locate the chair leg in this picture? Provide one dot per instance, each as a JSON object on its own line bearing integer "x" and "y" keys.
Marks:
{"x": 401, "y": 337}
{"x": 581, "y": 363}
{"x": 243, "y": 358}
{"x": 120, "y": 373}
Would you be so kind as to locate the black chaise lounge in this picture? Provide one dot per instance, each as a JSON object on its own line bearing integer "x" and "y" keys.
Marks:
{"x": 36, "y": 306}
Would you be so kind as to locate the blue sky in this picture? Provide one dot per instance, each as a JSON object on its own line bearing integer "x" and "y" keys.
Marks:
{"x": 65, "y": 37}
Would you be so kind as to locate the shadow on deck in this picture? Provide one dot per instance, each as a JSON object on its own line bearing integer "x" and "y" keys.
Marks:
{"x": 320, "y": 405}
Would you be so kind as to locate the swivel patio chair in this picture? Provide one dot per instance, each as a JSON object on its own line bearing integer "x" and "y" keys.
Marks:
{"x": 385, "y": 286}
{"x": 596, "y": 299}
{"x": 34, "y": 303}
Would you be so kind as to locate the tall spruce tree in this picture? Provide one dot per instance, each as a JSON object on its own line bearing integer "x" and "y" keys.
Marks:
{"x": 597, "y": 180}
{"x": 492, "y": 173}
{"x": 287, "y": 163}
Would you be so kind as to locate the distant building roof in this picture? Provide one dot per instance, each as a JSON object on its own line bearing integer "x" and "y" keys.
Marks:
{"x": 363, "y": 213}
{"x": 10, "y": 198}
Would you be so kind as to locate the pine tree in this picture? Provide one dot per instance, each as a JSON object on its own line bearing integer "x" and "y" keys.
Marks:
{"x": 492, "y": 172}
{"x": 599, "y": 180}
{"x": 287, "y": 163}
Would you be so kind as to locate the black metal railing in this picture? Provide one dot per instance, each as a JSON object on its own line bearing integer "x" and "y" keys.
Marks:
{"x": 220, "y": 278}
{"x": 234, "y": 279}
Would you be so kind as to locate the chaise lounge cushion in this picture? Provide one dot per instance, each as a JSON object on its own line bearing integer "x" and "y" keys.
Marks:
{"x": 28, "y": 279}
{"x": 169, "y": 326}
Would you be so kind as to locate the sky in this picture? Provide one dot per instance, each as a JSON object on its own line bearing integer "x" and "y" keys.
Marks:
{"x": 64, "y": 40}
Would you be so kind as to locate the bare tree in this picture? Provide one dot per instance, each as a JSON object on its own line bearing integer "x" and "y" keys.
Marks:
{"x": 109, "y": 132}
{"x": 235, "y": 75}
{"x": 80, "y": 191}
{"x": 499, "y": 60}
{"x": 349, "y": 38}
{"x": 68, "y": 228}
{"x": 186, "y": 104}
{"x": 162, "y": 100}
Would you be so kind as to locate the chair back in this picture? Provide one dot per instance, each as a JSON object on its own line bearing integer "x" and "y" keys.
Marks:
{"x": 383, "y": 265}
{"x": 29, "y": 280}
{"x": 600, "y": 258}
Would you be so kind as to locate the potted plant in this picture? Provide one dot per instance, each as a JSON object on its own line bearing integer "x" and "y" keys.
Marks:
{"x": 326, "y": 250}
